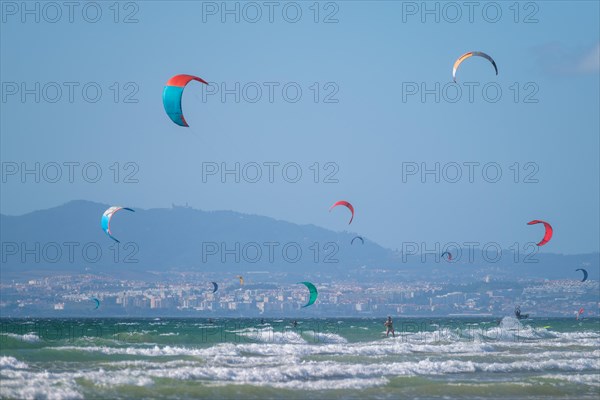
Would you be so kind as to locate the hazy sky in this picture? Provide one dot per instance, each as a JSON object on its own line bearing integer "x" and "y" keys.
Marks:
{"x": 358, "y": 111}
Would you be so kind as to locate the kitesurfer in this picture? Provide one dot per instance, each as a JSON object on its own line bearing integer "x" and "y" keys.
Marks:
{"x": 389, "y": 327}
{"x": 518, "y": 313}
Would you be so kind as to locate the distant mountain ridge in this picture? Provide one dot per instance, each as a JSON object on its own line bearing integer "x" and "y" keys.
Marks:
{"x": 66, "y": 239}
{"x": 179, "y": 237}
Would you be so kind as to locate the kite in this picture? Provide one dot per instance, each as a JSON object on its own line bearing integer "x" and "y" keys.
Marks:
{"x": 547, "y": 234}
{"x": 313, "y": 293}
{"x": 585, "y": 274}
{"x": 346, "y": 204}
{"x": 468, "y": 55}
{"x": 172, "y": 94}
{"x": 357, "y": 237}
{"x": 107, "y": 217}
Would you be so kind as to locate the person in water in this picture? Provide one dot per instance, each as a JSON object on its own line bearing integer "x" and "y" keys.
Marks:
{"x": 389, "y": 327}
{"x": 295, "y": 323}
{"x": 518, "y": 313}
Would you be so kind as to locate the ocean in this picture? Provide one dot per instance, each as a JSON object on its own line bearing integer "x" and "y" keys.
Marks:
{"x": 457, "y": 358}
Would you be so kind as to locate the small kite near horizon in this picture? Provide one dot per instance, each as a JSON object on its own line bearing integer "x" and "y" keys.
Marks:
{"x": 548, "y": 231}
{"x": 345, "y": 204}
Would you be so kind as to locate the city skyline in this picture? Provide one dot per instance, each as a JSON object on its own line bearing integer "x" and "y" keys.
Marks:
{"x": 63, "y": 296}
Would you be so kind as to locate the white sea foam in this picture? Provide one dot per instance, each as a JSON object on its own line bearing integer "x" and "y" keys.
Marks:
{"x": 579, "y": 364}
{"x": 104, "y": 378}
{"x": 207, "y": 325}
{"x": 324, "y": 374}
{"x": 27, "y": 337}
{"x": 291, "y": 345}
{"x": 587, "y": 379}
{"x": 325, "y": 337}
{"x": 312, "y": 360}
{"x": 154, "y": 351}
{"x": 11, "y": 362}
{"x": 291, "y": 365}
{"x": 268, "y": 335}
{"x": 21, "y": 384}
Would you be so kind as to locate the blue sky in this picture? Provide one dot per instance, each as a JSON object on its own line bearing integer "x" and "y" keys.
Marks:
{"x": 367, "y": 57}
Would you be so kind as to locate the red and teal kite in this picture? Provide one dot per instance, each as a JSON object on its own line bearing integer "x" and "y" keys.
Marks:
{"x": 172, "y": 96}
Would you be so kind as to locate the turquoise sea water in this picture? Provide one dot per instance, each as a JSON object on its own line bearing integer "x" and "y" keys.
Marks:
{"x": 324, "y": 358}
